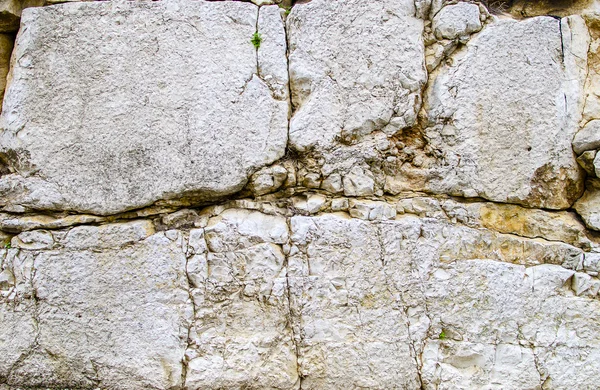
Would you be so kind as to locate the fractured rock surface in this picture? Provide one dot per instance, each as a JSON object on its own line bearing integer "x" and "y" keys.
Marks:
{"x": 100, "y": 304}
{"x": 114, "y": 106}
{"x": 339, "y": 195}
{"x": 500, "y": 115}
{"x": 356, "y": 67}
{"x": 257, "y": 300}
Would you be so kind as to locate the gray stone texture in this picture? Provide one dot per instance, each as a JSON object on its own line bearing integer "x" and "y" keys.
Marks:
{"x": 117, "y": 105}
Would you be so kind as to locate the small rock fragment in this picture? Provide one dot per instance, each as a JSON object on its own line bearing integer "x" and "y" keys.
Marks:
{"x": 457, "y": 21}
{"x": 587, "y": 138}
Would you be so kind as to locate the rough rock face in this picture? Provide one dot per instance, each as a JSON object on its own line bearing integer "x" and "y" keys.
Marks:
{"x": 251, "y": 299}
{"x": 97, "y": 304}
{"x": 360, "y": 121}
{"x": 335, "y": 195}
{"x": 159, "y": 93}
{"x": 496, "y": 143}
{"x": 365, "y": 72}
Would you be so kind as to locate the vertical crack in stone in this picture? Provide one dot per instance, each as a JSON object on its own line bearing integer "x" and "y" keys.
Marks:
{"x": 184, "y": 361}
{"x": 257, "y": 35}
{"x": 290, "y": 95}
{"x": 296, "y": 339}
{"x": 418, "y": 356}
{"x": 562, "y": 42}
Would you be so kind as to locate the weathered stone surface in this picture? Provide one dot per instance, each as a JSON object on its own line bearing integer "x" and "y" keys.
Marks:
{"x": 532, "y": 311}
{"x": 586, "y": 161}
{"x": 588, "y": 206}
{"x": 364, "y": 71}
{"x": 268, "y": 180}
{"x": 153, "y": 101}
{"x": 447, "y": 304}
{"x": 353, "y": 332}
{"x": 241, "y": 337}
{"x": 396, "y": 245}
{"x": 103, "y": 314}
{"x": 516, "y": 153}
{"x": 457, "y": 21}
{"x": 267, "y": 299}
{"x": 587, "y": 138}
{"x": 505, "y": 126}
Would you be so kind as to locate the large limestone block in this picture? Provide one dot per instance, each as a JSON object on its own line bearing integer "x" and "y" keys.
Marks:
{"x": 362, "y": 290}
{"x": 353, "y": 326}
{"x": 110, "y": 317}
{"x": 508, "y": 325}
{"x": 117, "y": 105}
{"x": 241, "y": 336}
{"x": 355, "y": 67}
{"x": 503, "y": 114}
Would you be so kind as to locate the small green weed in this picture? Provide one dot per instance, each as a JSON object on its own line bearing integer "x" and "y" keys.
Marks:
{"x": 256, "y": 40}
{"x": 287, "y": 6}
{"x": 287, "y": 9}
{"x": 7, "y": 245}
{"x": 442, "y": 335}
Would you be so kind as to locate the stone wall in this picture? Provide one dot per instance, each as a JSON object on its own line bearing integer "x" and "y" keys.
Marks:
{"x": 338, "y": 194}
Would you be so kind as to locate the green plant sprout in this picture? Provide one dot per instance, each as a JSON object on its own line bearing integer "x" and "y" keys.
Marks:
{"x": 442, "y": 335}
{"x": 256, "y": 40}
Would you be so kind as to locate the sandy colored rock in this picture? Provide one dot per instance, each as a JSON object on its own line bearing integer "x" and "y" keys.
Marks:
{"x": 10, "y": 13}
{"x": 588, "y": 206}
{"x": 586, "y": 161}
{"x": 6, "y": 47}
{"x": 131, "y": 120}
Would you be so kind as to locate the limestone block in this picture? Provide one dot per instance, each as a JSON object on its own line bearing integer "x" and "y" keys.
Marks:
{"x": 503, "y": 115}
{"x": 457, "y": 21}
{"x": 241, "y": 336}
{"x": 110, "y": 316}
{"x": 525, "y": 306}
{"x": 354, "y": 67}
{"x": 473, "y": 321}
{"x": 153, "y": 101}
{"x": 353, "y": 331}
